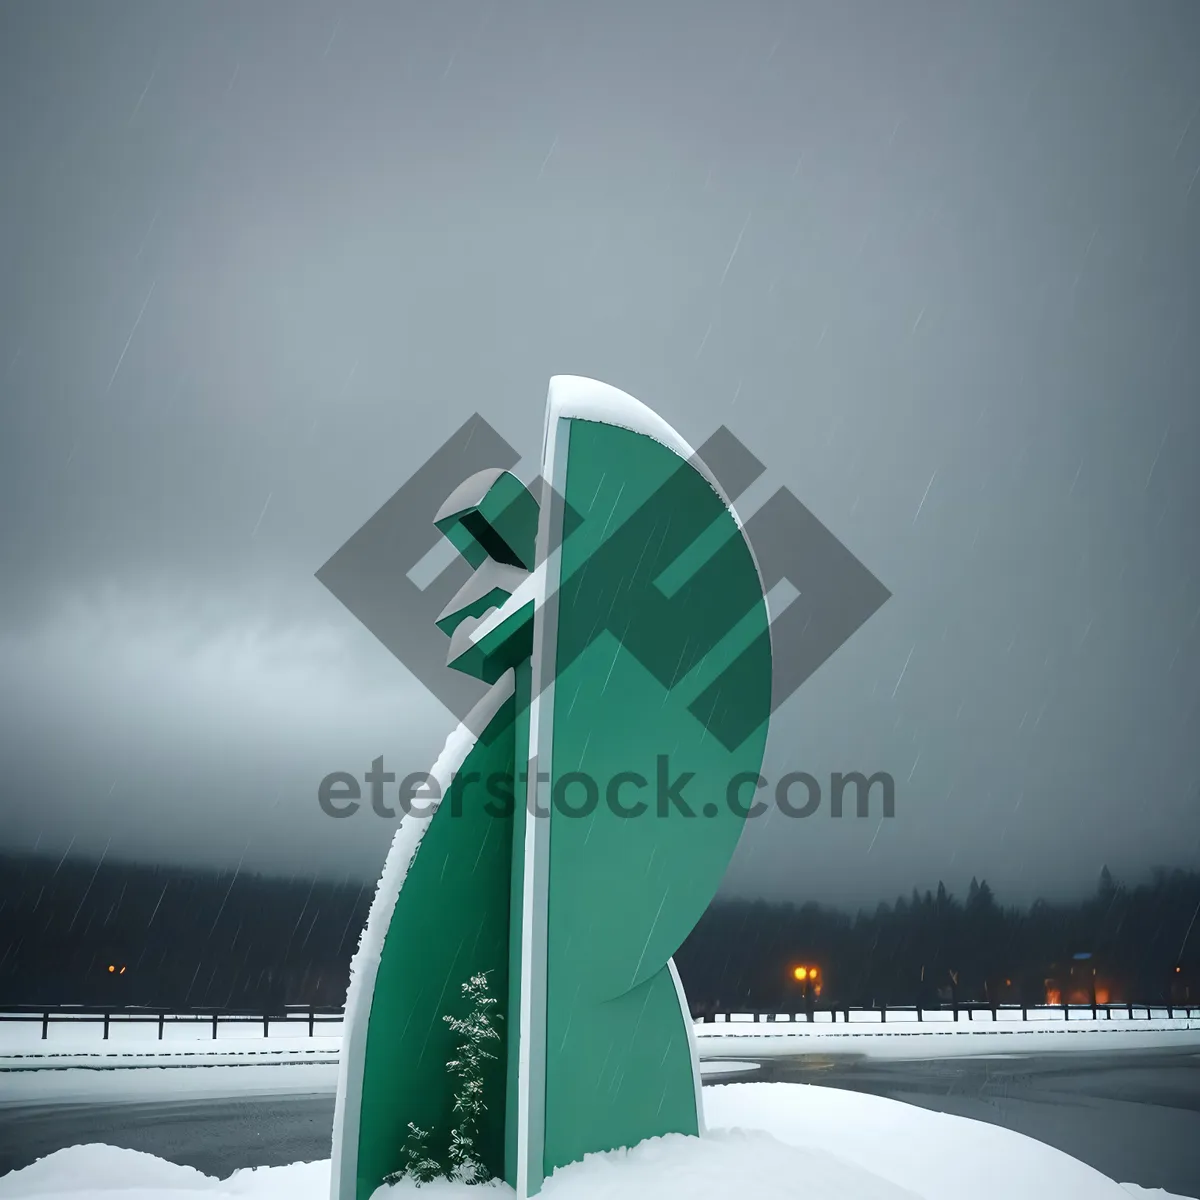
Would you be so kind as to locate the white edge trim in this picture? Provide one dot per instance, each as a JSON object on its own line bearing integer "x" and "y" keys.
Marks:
{"x": 693, "y": 1045}
{"x": 532, "y": 1041}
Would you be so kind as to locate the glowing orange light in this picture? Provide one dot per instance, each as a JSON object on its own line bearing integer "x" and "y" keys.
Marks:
{"x": 121, "y": 971}
{"x": 812, "y": 972}
{"x": 1177, "y": 970}
{"x": 800, "y": 973}
{"x": 111, "y": 968}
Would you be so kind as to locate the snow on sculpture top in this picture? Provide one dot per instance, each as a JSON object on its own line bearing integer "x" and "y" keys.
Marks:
{"x": 590, "y": 400}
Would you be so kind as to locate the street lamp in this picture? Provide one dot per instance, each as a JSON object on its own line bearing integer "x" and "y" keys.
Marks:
{"x": 808, "y": 976}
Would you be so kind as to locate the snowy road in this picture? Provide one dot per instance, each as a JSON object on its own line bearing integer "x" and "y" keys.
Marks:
{"x": 1133, "y": 1115}
{"x": 215, "y": 1135}
{"x": 1130, "y": 1114}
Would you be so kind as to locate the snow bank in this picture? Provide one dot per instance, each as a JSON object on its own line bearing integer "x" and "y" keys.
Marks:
{"x": 725, "y": 1165}
{"x": 766, "y": 1142}
{"x": 110, "y": 1173}
{"x": 934, "y": 1155}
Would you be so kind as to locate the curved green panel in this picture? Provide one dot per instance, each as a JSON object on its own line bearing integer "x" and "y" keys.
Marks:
{"x": 618, "y": 1072}
{"x": 662, "y": 637}
{"x": 450, "y": 921}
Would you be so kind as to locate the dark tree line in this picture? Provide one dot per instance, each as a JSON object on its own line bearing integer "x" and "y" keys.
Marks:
{"x": 934, "y": 948}
{"x": 207, "y": 938}
{"x": 185, "y": 937}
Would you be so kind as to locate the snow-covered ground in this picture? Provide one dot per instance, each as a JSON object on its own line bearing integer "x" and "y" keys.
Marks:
{"x": 78, "y": 1044}
{"x": 90, "y": 1053}
{"x": 765, "y": 1141}
{"x": 939, "y": 1036}
{"x": 19, "y": 1089}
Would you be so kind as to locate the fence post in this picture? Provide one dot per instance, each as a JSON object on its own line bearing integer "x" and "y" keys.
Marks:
{"x": 954, "y": 1005}
{"x": 161, "y": 1018}
{"x": 267, "y": 1025}
{"x": 214, "y": 1037}
{"x": 106, "y": 1016}
{"x": 1024, "y": 1011}
{"x": 883, "y": 1012}
{"x": 45, "y": 1025}
{"x": 311, "y": 1019}
{"x": 1129, "y": 1006}
{"x": 919, "y": 1015}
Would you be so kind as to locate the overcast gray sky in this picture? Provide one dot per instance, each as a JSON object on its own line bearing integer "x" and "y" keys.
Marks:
{"x": 937, "y": 264}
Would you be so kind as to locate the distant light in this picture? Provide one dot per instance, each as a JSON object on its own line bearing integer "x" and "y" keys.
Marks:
{"x": 1177, "y": 970}
{"x": 121, "y": 971}
{"x": 111, "y": 968}
{"x": 812, "y": 972}
{"x": 1081, "y": 957}
{"x": 800, "y": 973}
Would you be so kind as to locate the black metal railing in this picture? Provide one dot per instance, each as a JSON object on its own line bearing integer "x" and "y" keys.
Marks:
{"x": 80, "y": 1014}
{"x": 842, "y": 1013}
{"x": 310, "y": 1016}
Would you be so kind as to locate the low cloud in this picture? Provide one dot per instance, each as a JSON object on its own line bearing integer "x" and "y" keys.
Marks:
{"x": 182, "y": 725}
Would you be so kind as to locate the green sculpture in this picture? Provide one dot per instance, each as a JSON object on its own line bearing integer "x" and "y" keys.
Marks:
{"x": 588, "y": 807}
